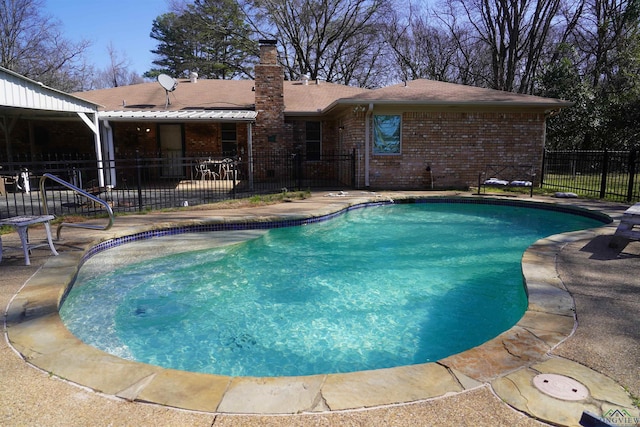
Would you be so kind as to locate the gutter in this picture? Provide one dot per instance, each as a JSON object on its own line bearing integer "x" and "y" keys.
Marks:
{"x": 499, "y": 104}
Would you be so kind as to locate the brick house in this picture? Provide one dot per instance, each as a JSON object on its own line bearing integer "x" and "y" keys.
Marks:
{"x": 397, "y": 133}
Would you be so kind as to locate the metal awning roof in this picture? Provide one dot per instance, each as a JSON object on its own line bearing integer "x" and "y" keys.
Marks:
{"x": 19, "y": 94}
{"x": 183, "y": 115}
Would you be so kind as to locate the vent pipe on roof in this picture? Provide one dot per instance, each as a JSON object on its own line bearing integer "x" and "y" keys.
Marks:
{"x": 305, "y": 79}
{"x": 193, "y": 77}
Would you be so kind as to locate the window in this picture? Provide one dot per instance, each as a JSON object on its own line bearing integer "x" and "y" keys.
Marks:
{"x": 229, "y": 139}
{"x": 386, "y": 134}
{"x": 313, "y": 140}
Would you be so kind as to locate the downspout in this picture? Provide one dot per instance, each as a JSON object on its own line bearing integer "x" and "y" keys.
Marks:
{"x": 367, "y": 143}
{"x": 541, "y": 164}
{"x": 250, "y": 153}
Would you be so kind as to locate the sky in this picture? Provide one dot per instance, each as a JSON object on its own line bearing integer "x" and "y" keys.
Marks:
{"x": 124, "y": 23}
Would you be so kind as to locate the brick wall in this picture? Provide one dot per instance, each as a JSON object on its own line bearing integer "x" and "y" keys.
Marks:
{"x": 352, "y": 137}
{"x": 330, "y": 133}
{"x": 456, "y": 146}
{"x": 201, "y": 138}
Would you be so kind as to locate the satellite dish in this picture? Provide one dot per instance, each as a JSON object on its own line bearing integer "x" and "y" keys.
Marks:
{"x": 167, "y": 82}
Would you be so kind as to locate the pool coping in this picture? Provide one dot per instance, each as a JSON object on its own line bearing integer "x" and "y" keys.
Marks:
{"x": 35, "y": 331}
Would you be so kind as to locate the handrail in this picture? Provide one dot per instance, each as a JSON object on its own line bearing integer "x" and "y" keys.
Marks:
{"x": 82, "y": 193}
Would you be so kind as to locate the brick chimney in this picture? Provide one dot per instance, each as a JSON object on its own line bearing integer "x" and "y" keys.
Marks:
{"x": 268, "y": 52}
{"x": 269, "y": 131}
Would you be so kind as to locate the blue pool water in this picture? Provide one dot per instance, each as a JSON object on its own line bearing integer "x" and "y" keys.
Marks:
{"x": 373, "y": 288}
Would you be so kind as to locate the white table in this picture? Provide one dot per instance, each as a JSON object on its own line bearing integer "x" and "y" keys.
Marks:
{"x": 21, "y": 224}
{"x": 630, "y": 223}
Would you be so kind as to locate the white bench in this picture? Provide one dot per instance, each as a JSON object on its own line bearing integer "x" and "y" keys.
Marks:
{"x": 629, "y": 226}
{"x": 21, "y": 224}
{"x": 507, "y": 176}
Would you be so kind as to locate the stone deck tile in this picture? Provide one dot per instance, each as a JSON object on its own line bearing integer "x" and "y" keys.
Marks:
{"x": 549, "y": 299}
{"x": 538, "y": 321}
{"x": 550, "y": 328}
{"x": 273, "y": 395}
{"x": 42, "y": 335}
{"x": 385, "y": 386}
{"x": 538, "y": 264}
{"x": 509, "y": 351}
{"x": 93, "y": 368}
{"x": 187, "y": 390}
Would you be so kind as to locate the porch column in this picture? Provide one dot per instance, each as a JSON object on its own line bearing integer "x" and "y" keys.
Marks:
{"x": 95, "y": 128}
{"x": 107, "y": 141}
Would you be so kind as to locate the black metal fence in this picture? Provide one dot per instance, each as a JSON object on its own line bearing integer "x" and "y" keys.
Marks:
{"x": 611, "y": 175}
{"x": 137, "y": 182}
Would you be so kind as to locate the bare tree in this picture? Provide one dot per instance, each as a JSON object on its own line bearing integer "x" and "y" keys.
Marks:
{"x": 335, "y": 40}
{"x": 32, "y": 44}
{"x": 117, "y": 72}
{"x": 515, "y": 34}
{"x": 605, "y": 35}
{"x": 420, "y": 49}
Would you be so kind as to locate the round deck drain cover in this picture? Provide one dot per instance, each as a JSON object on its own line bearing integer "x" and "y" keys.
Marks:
{"x": 560, "y": 387}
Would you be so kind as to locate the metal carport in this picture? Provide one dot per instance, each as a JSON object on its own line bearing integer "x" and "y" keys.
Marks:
{"x": 25, "y": 99}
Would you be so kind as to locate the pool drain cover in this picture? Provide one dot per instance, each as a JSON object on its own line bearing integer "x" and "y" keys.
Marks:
{"x": 560, "y": 387}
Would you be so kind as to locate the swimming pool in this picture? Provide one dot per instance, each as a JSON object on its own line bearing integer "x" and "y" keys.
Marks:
{"x": 481, "y": 286}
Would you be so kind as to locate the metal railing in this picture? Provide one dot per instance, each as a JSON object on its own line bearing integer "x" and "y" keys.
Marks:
{"x": 80, "y": 192}
{"x": 136, "y": 182}
{"x": 611, "y": 175}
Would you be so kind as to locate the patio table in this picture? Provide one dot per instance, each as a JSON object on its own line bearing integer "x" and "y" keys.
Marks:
{"x": 21, "y": 224}
{"x": 630, "y": 223}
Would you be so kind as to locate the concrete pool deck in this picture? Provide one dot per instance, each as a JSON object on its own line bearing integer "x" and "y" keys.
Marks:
{"x": 574, "y": 274}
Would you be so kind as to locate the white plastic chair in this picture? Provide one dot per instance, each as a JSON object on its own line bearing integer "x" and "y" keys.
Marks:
{"x": 204, "y": 172}
{"x": 229, "y": 170}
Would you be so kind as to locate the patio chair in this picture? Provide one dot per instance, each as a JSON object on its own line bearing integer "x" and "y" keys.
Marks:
{"x": 229, "y": 169}
{"x": 203, "y": 171}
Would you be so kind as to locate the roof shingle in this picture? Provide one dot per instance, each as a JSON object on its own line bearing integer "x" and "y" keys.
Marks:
{"x": 203, "y": 95}
{"x": 301, "y": 99}
{"x": 432, "y": 92}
